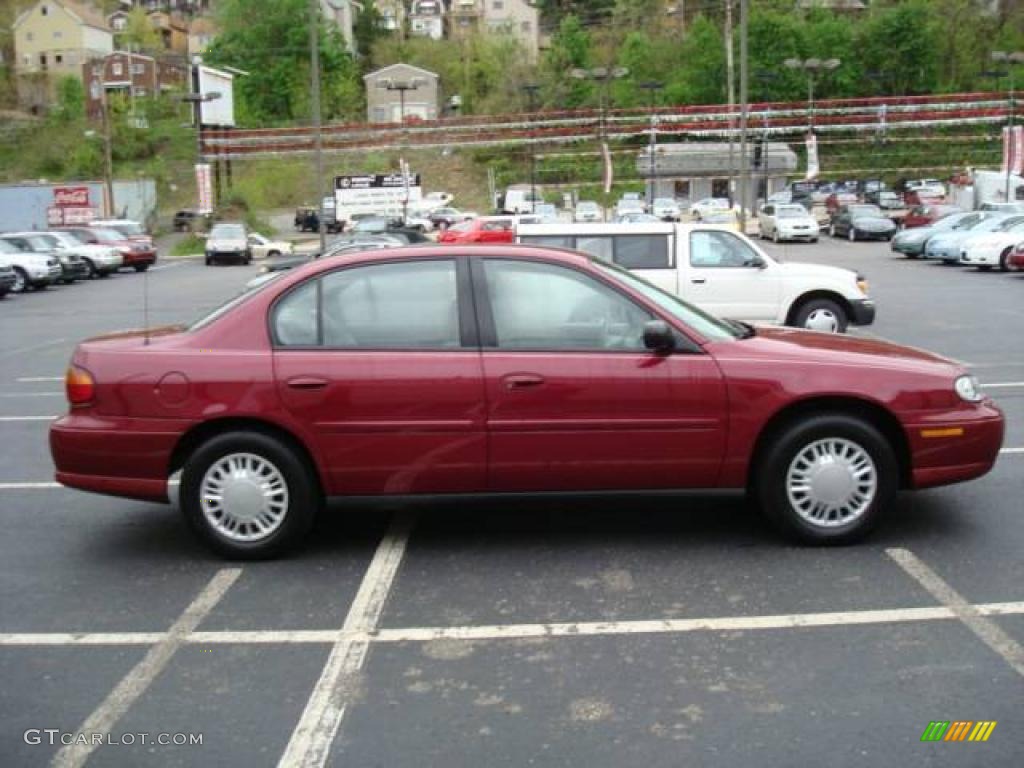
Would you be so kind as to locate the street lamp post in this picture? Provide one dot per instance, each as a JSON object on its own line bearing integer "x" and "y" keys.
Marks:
{"x": 98, "y": 93}
{"x": 1009, "y": 59}
{"x": 652, "y": 87}
{"x": 531, "y": 90}
{"x": 812, "y": 67}
{"x": 603, "y": 76}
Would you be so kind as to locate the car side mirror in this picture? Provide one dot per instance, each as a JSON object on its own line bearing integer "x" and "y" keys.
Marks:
{"x": 758, "y": 263}
{"x": 659, "y": 337}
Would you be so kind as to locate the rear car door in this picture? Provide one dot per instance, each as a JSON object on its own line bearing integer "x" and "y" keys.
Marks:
{"x": 725, "y": 277}
{"x": 574, "y": 400}
{"x": 379, "y": 362}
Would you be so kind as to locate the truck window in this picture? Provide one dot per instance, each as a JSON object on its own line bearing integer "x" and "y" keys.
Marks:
{"x": 551, "y": 241}
{"x": 720, "y": 249}
{"x": 642, "y": 251}
{"x": 599, "y": 247}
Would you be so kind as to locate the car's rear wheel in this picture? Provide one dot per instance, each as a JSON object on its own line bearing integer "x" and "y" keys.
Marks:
{"x": 141, "y": 267}
{"x": 821, "y": 315}
{"x": 826, "y": 479}
{"x": 1004, "y": 260}
{"x": 248, "y": 495}
{"x": 91, "y": 266}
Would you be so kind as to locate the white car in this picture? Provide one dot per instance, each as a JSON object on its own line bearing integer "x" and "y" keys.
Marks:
{"x": 992, "y": 249}
{"x": 101, "y": 260}
{"x": 31, "y": 270}
{"x": 928, "y": 187}
{"x": 787, "y": 221}
{"x": 666, "y": 209}
{"x": 434, "y": 200}
{"x": 587, "y": 210}
{"x": 709, "y": 204}
{"x": 228, "y": 240}
{"x": 263, "y": 247}
{"x": 419, "y": 220}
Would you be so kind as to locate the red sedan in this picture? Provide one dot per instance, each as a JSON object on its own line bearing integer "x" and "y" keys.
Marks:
{"x": 140, "y": 254}
{"x": 924, "y": 215}
{"x": 485, "y": 229}
{"x": 504, "y": 369}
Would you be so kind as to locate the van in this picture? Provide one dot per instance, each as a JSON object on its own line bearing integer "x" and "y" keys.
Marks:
{"x": 520, "y": 199}
{"x": 720, "y": 271}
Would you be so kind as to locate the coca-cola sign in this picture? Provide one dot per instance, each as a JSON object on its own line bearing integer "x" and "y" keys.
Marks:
{"x": 71, "y": 197}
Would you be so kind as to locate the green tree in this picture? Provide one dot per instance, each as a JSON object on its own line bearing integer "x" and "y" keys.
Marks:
{"x": 70, "y": 100}
{"x": 702, "y": 81}
{"x": 369, "y": 28}
{"x": 139, "y": 33}
{"x": 269, "y": 39}
{"x": 900, "y": 47}
{"x": 570, "y": 49}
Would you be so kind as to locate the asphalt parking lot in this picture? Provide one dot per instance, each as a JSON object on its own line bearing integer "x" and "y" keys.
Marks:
{"x": 664, "y": 631}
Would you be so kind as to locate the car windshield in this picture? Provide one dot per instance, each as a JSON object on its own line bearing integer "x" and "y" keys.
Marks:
{"x": 1011, "y": 223}
{"x": 6, "y": 247}
{"x": 707, "y": 326}
{"x": 129, "y": 228}
{"x": 791, "y": 212}
{"x": 866, "y": 210}
{"x": 40, "y": 242}
{"x": 107, "y": 234}
{"x": 464, "y": 226}
{"x": 228, "y": 232}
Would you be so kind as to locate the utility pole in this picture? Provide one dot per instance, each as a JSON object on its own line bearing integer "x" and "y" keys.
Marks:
{"x": 99, "y": 93}
{"x": 652, "y": 89}
{"x": 730, "y": 93}
{"x": 531, "y": 93}
{"x": 744, "y": 109}
{"x": 314, "y": 56}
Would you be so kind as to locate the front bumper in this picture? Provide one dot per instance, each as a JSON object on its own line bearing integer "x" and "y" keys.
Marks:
{"x": 135, "y": 258}
{"x": 880, "y": 234}
{"x": 811, "y": 233}
{"x": 909, "y": 248}
{"x": 863, "y": 312}
{"x": 967, "y": 446}
{"x": 74, "y": 270}
{"x": 983, "y": 256}
{"x": 949, "y": 254}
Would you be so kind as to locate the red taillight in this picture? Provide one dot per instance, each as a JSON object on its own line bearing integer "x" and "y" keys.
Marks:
{"x": 80, "y": 386}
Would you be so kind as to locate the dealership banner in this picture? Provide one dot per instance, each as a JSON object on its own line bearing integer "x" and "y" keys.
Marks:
{"x": 204, "y": 188}
{"x": 812, "y": 157}
{"x": 1013, "y": 149}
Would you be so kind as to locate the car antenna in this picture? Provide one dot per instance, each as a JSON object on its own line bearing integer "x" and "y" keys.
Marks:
{"x": 145, "y": 307}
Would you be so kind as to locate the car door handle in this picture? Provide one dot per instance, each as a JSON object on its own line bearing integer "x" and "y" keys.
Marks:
{"x": 516, "y": 381}
{"x": 698, "y": 279}
{"x": 306, "y": 382}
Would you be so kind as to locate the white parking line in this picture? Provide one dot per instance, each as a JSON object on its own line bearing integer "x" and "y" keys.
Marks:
{"x": 167, "y": 266}
{"x": 987, "y": 630}
{"x": 28, "y": 486}
{"x": 31, "y": 394}
{"x": 33, "y": 348}
{"x": 28, "y": 418}
{"x": 36, "y": 379}
{"x": 145, "y": 672}
{"x": 1003, "y": 385}
{"x": 310, "y": 743}
{"x": 518, "y": 631}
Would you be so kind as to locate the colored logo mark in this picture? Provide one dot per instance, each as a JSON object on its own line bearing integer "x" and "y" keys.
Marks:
{"x": 958, "y": 730}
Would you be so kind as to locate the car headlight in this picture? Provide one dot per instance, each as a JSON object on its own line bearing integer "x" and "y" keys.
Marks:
{"x": 968, "y": 389}
{"x": 862, "y": 284}
{"x": 64, "y": 259}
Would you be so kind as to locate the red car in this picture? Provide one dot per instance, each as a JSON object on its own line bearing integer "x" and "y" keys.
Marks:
{"x": 925, "y": 215}
{"x": 140, "y": 254}
{"x": 504, "y": 369}
{"x": 485, "y": 229}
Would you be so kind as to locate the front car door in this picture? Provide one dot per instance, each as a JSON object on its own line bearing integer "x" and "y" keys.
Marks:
{"x": 728, "y": 278}
{"x": 574, "y": 400}
{"x": 379, "y": 363}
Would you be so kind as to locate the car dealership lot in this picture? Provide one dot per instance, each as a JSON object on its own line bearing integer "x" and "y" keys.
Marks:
{"x": 665, "y": 630}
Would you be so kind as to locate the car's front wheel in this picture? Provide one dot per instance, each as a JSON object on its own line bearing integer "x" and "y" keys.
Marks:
{"x": 826, "y": 479}
{"x": 248, "y": 495}
{"x": 141, "y": 267}
{"x": 20, "y": 281}
{"x": 821, "y": 315}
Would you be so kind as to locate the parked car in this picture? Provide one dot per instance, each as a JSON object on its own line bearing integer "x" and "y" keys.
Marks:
{"x": 72, "y": 266}
{"x": 915, "y": 197}
{"x": 307, "y": 219}
{"x": 386, "y": 225}
{"x": 931, "y": 188}
{"x": 708, "y": 204}
{"x": 1002, "y": 207}
{"x": 725, "y": 219}
{"x": 885, "y": 199}
{"x": 228, "y": 240}
{"x": 352, "y": 378}
{"x": 7, "y": 276}
{"x": 546, "y": 212}
{"x": 722, "y": 272}
{"x": 862, "y": 222}
{"x": 993, "y": 249}
{"x": 445, "y": 217}
{"x": 666, "y": 209}
{"x": 100, "y": 260}
{"x": 418, "y": 219}
{"x": 263, "y": 247}
{"x": 839, "y": 198}
{"x": 1016, "y": 260}
{"x": 484, "y": 229}
{"x": 134, "y": 253}
{"x": 31, "y": 270}
{"x": 787, "y": 222}
{"x": 187, "y": 219}
{"x": 630, "y": 205}
{"x": 947, "y": 245}
{"x": 911, "y": 242}
{"x": 130, "y": 229}
{"x": 634, "y": 217}
{"x": 587, "y": 210}
{"x": 923, "y": 215}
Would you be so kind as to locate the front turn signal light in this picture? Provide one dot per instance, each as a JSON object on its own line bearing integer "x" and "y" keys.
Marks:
{"x": 79, "y": 385}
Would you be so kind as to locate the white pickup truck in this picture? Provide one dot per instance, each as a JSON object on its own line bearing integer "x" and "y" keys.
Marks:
{"x": 721, "y": 271}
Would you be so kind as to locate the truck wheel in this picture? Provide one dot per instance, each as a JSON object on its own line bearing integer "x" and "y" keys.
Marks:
{"x": 821, "y": 315}
{"x": 826, "y": 479}
{"x": 248, "y": 496}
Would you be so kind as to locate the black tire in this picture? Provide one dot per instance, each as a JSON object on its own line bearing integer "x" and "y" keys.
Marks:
{"x": 803, "y": 314}
{"x": 273, "y": 254}
{"x": 209, "y": 261}
{"x": 1004, "y": 260}
{"x": 984, "y": 267}
{"x": 304, "y": 498}
{"x": 21, "y": 281}
{"x": 93, "y": 272}
{"x": 140, "y": 267}
{"x": 770, "y": 477}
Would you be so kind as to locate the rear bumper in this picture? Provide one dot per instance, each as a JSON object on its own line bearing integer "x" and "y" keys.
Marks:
{"x": 118, "y": 457}
{"x": 863, "y": 312}
{"x": 968, "y": 449}
{"x": 134, "y": 258}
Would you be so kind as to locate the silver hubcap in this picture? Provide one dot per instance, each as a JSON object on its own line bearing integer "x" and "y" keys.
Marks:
{"x": 19, "y": 282}
{"x": 831, "y": 482}
{"x": 244, "y": 497}
{"x": 822, "y": 320}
